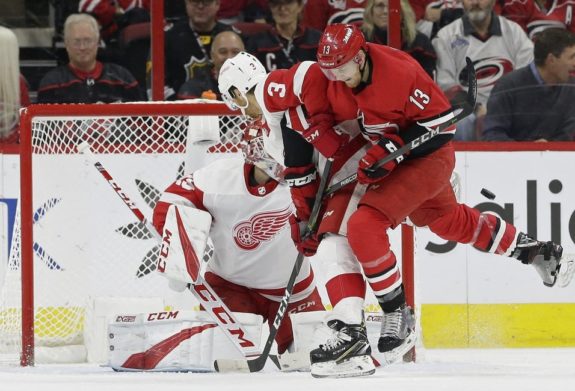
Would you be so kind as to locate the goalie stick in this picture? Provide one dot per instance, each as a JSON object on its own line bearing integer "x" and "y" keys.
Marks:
{"x": 203, "y": 292}
{"x": 466, "y": 109}
{"x": 257, "y": 364}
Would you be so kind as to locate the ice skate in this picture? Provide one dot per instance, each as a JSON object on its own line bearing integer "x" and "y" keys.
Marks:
{"x": 397, "y": 334}
{"x": 346, "y": 354}
{"x": 547, "y": 258}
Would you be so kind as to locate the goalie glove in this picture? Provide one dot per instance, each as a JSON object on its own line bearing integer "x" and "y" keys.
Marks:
{"x": 304, "y": 184}
{"x": 322, "y": 135}
{"x": 386, "y": 146}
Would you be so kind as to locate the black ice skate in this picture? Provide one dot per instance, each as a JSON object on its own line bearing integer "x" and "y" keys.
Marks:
{"x": 547, "y": 258}
{"x": 346, "y": 354}
{"x": 397, "y": 334}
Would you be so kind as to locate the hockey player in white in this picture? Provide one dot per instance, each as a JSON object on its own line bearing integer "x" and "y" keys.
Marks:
{"x": 253, "y": 253}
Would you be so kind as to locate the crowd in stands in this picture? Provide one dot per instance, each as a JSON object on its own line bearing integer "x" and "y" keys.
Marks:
{"x": 523, "y": 52}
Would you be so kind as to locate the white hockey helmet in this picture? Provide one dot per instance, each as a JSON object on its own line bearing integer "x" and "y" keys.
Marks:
{"x": 254, "y": 150}
{"x": 243, "y": 71}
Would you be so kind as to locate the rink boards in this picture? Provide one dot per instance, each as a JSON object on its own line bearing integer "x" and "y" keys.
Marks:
{"x": 466, "y": 298}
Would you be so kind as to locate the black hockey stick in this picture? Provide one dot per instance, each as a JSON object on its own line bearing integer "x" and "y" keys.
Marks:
{"x": 257, "y": 364}
{"x": 466, "y": 108}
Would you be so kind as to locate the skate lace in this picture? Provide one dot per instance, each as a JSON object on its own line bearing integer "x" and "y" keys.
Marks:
{"x": 392, "y": 325}
{"x": 339, "y": 338}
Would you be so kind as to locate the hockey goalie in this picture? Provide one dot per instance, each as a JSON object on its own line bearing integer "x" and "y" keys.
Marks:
{"x": 243, "y": 206}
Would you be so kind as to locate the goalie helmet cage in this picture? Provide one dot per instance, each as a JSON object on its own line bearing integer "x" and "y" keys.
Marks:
{"x": 75, "y": 240}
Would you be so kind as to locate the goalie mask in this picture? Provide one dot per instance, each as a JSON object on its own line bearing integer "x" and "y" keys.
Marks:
{"x": 242, "y": 72}
{"x": 253, "y": 149}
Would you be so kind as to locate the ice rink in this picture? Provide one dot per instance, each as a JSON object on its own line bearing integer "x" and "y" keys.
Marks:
{"x": 450, "y": 370}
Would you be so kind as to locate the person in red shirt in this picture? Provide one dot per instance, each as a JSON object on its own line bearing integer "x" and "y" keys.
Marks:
{"x": 398, "y": 102}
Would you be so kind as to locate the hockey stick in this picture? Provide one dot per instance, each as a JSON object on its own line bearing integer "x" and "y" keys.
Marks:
{"x": 203, "y": 292}
{"x": 467, "y": 108}
{"x": 259, "y": 362}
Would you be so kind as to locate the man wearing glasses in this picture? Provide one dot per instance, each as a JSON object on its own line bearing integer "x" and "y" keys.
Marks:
{"x": 85, "y": 79}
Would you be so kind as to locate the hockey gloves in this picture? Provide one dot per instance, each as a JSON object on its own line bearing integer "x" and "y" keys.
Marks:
{"x": 322, "y": 135}
{"x": 307, "y": 245}
{"x": 386, "y": 146}
{"x": 304, "y": 184}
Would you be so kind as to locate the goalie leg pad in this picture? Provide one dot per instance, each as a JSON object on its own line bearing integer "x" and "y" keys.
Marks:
{"x": 172, "y": 341}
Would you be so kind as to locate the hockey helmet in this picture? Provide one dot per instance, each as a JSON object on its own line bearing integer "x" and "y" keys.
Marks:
{"x": 243, "y": 71}
{"x": 339, "y": 45}
{"x": 254, "y": 151}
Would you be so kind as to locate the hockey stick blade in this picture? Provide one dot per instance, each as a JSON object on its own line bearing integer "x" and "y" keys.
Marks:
{"x": 258, "y": 363}
{"x": 459, "y": 113}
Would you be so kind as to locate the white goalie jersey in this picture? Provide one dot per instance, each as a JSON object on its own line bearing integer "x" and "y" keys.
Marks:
{"x": 250, "y": 229}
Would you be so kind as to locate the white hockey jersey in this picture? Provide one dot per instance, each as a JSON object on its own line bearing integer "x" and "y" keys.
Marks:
{"x": 250, "y": 229}
{"x": 506, "y": 49}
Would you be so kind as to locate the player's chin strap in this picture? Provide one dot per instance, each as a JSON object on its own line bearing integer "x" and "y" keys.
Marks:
{"x": 259, "y": 362}
{"x": 203, "y": 292}
{"x": 466, "y": 108}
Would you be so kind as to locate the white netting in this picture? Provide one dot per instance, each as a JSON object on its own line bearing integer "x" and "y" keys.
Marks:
{"x": 87, "y": 243}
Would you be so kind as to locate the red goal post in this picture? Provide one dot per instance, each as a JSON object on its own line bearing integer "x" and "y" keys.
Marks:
{"x": 76, "y": 241}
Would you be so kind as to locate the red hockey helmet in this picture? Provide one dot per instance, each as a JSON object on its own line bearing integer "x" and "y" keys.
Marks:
{"x": 339, "y": 44}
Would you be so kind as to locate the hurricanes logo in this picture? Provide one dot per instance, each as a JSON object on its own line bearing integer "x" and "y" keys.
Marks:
{"x": 261, "y": 227}
{"x": 488, "y": 70}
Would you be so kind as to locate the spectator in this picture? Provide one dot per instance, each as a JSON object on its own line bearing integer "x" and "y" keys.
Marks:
{"x": 288, "y": 42}
{"x": 413, "y": 42}
{"x": 114, "y": 15}
{"x": 233, "y": 11}
{"x": 319, "y": 13}
{"x": 546, "y": 14}
{"x": 188, "y": 44}
{"x": 432, "y": 15}
{"x": 84, "y": 79}
{"x": 226, "y": 45}
{"x": 13, "y": 88}
{"x": 496, "y": 46}
{"x": 536, "y": 103}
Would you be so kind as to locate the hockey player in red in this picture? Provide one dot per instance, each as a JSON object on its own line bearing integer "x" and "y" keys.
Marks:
{"x": 293, "y": 104}
{"x": 253, "y": 252}
{"x": 397, "y": 102}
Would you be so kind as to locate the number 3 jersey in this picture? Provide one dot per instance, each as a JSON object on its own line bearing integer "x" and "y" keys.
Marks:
{"x": 250, "y": 229}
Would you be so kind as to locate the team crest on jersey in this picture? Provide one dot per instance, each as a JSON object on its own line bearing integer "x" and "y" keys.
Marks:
{"x": 261, "y": 227}
{"x": 488, "y": 71}
{"x": 195, "y": 66}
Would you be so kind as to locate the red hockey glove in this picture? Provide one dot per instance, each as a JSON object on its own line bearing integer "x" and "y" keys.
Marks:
{"x": 308, "y": 245}
{"x": 383, "y": 148}
{"x": 303, "y": 183}
{"x": 322, "y": 135}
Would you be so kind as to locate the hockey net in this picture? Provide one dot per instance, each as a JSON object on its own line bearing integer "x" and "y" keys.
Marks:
{"x": 83, "y": 242}
{"x": 77, "y": 242}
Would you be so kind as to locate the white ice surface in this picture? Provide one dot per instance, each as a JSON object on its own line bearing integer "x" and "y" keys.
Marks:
{"x": 461, "y": 370}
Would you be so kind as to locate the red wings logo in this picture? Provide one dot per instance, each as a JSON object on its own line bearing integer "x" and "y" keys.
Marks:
{"x": 260, "y": 228}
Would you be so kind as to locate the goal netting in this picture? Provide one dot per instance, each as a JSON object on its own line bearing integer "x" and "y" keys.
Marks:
{"x": 77, "y": 243}
{"x": 78, "y": 253}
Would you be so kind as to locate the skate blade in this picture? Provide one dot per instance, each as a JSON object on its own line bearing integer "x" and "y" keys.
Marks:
{"x": 354, "y": 367}
{"x": 566, "y": 270}
{"x": 397, "y": 354}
